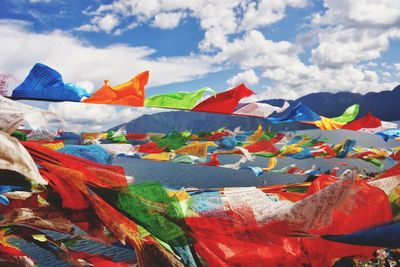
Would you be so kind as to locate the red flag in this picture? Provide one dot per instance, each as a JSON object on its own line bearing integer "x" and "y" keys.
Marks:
{"x": 368, "y": 121}
{"x": 395, "y": 170}
{"x": 213, "y": 161}
{"x": 227, "y": 238}
{"x": 67, "y": 183}
{"x": 133, "y": 136}
{"x": 214, "y": 136}
{"x": 350, "y": 216}
{"x": 395, "y": 155}
{"x": 262, "y": 146}
{"x": 95, "y": 174}
{"x": 151, "y": 147}
{"x": 224, "y": 102}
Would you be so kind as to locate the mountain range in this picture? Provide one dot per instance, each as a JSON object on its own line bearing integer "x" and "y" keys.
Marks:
{"x": 384, "y": 105}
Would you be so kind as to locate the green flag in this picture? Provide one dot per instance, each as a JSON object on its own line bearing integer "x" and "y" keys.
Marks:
{"x": 349, "y": 114}
{"x": 152, "y": 208}
{"x": 19, "y": 135}
{"x": 179, "y": 100}
{"x": 173, "y": 140}
{"x": 119, "y": 138}
{"x": 375, "y": 161}
{"x": 188, "y": 159}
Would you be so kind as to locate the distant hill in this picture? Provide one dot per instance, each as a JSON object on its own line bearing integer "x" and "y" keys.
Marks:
{"x": 197, "y": 121}
{"x": 385, "y": 105}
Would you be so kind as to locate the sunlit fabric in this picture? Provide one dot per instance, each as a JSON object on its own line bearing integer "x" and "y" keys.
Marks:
{"x": 298, "y": 113}
{"x": 389, "y": 134}
{"x": 178, "y": 100}
{"x": 224, "y": 102}
{"x": 91, "y": 152}
{"x": 367, "y": 121}
{"x": 348, "y": 115}
{"x": 46, "y": 83}
{"x": 130, "y": 93}
{"x": 261, "y": 110}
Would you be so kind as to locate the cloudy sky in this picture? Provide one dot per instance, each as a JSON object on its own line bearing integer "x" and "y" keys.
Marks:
{"x": 279, "y": 48}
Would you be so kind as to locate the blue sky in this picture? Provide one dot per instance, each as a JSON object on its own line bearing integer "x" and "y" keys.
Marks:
{"x": 279, "y": 48}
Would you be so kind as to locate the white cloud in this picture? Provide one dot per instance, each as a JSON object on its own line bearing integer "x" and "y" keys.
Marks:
{"x": 364, "y": 13}
{"x": 218, "y": 19}
{"x": 253, "y": 50}
{"x": 99, "y": 23}
{"x": 167, "y": 20}
{"x": 352, "y": 31}
{"x": 108, "y": 22}
{"x": 247, "y": 77}
{"x": 267, "y": 12}
{"x": 340, "y": 45}
{"x": 94, "y": 117}
{"x": 80, "y": 61}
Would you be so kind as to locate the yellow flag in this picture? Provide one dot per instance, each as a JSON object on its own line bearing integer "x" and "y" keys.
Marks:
{"x": 271, "y": 164}
{"x": 291, "y": 149}
{"x": 54, "y": 146}
{"x": 196, "y": 149}
{"x": 327, "y": 124}
{"x": 40, "y": 237}
{"x": 97, "y": 136}
{"x": 179, "y": 195}
{"x": 164, "y": 156}
{"x": 256, "y": 135}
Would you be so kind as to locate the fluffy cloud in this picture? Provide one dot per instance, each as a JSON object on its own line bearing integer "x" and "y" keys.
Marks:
{"x": 167, "y": 20}
{"x": 345, "y": 38}
{"x": 267, "y": 12}
{"x": 247, "y": 77}
{"x": 99, "y": 23}
{"x": 94, "y": 117}
{"x": 254, "y": 50}
{"x": 352, "y": 31}
{"x": 218, "y": 19}
{"x": 118, "y": 62}
{"x": 364, "y": 13}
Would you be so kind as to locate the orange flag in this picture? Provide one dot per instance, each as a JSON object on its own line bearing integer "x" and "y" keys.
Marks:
{"x": 130, "y": 93}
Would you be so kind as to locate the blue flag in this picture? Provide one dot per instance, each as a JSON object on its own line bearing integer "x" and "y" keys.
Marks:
{"x": 387, "y": 235}
{"x": 389, "y": 134}
{"x": 299, "y": 113}
{"x": 43, "y": 82}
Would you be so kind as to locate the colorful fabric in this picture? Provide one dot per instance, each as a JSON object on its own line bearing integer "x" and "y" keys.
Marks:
{"x": 130, "y": 93}
{"x": 179, "y": 100}
{"x": 45, "y": 83}
{"x": 16, "y": 158}
{"x": 299, "y": 113}
{"x": 387, "y": 236}
{"x": 365, "y": 122}
{"x": 196, "y": 149}
{"x": 348, "y": 115}
{"x": 91, "y": 152}
{"x": 261, "y": 110}
{"x": 224, "y": 102}
{"x": 389, "y": 134}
